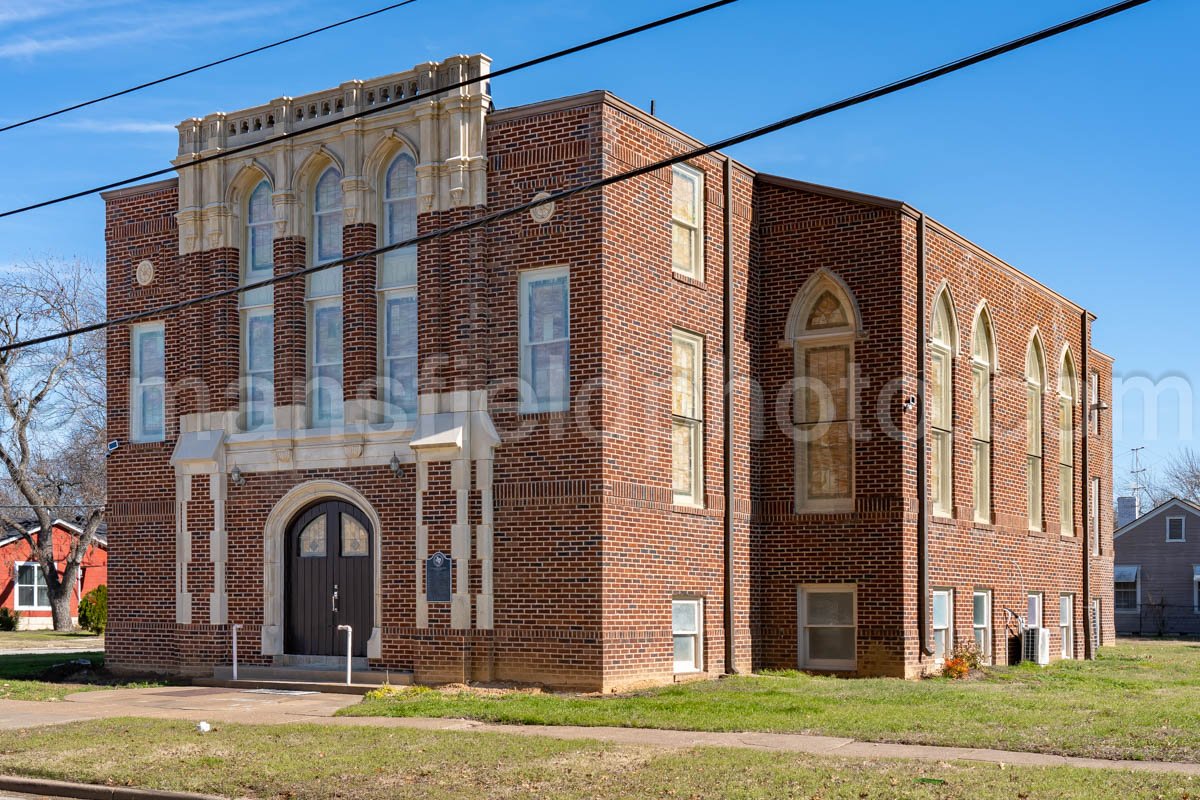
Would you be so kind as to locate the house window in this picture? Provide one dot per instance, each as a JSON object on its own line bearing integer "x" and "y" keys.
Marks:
{"x": 32, "y": 594}
{"x": 687, "y": 221}
{"x": 823, "y": 328}
{"x": 687, "y": 418}
{"x": 1035, "y": 383}
{"x": 1033, "y": 610}
{"x": 149, "y": 383}
{"x": 545, "y": 319}
{"x": 1097, "y": 632}
{"x": 1066, "y": 447}
{"x": 1066, "y": 625}
{"x": 1175, "y": 529}
{"x": 687, "y": 628}
{"x": 981, "y": 427}
{"x": 1093, "y": 399}
{"x": 943, "y": 623}
{"x": 982, "y": 623}
{"x": 1126, "y": 589}
{"x": 1196, "y": 588}
{"x": 398, "y": 293}
{"x": 941, "y": 398}
{"x": 1094, "y": 516}
{"x": 325, "y": 304}
{"x": 257, "y": 313}
{"x": 827, "y": 629}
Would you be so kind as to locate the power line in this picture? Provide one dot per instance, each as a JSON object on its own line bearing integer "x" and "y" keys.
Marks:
{"x": 332, "y": 121}
{"x": 487, "y": 219}
{"x": 210, "y": 64}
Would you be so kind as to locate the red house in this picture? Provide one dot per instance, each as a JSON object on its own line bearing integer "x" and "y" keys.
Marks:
{"x": 22, "y": 585}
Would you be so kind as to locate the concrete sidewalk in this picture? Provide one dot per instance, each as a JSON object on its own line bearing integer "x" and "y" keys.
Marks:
{"x": 273, "y": 708}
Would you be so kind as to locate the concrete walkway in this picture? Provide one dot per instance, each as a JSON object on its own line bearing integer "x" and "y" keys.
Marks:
{"x": 273, "y": 708}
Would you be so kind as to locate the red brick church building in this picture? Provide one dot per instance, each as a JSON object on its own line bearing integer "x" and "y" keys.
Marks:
{"x": 507, "y": 454}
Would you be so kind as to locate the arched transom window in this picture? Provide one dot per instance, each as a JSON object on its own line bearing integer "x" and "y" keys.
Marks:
{"x": 398, "y": 293}
{"x": 941, "y": 404}
{"x": 1035, "y": 384}
{"x": 823, "y": 327}
{"x": 981, "y": 417}
{"x": 1066, "y": 445}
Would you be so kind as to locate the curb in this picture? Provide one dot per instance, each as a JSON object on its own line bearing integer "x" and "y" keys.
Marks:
{"x": 91, "y": 791}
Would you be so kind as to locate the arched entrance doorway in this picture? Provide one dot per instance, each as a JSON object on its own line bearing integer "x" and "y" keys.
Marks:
{"x": 329, "y": 559}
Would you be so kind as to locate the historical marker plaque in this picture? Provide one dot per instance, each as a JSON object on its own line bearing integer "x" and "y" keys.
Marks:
{"x": 437, "y": 578}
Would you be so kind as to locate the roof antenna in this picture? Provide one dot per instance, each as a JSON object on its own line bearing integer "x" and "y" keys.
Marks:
{"x": 652, "y": 106}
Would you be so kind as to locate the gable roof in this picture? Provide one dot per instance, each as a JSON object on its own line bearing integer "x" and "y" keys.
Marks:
{"x": 1177, "y": 503}
{"x": 8, "y": 536}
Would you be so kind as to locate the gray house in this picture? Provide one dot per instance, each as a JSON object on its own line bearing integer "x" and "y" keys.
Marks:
{"x": 1156, "y": 571}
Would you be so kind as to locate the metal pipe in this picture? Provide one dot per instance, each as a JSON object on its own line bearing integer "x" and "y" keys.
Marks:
{"x": 349, "y": 648}
{"x": 1089, "y": 647}
{"x": 234, "y": 628}
{"x": 923, "y": 636}
{"x": 728, "y": 379}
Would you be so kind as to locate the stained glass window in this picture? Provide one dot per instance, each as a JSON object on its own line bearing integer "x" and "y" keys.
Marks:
{"x": 312, "y": 539}
{"x": 354, "y": 538}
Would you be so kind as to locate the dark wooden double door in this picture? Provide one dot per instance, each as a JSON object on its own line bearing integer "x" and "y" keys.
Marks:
{"x": 330, "y": 580}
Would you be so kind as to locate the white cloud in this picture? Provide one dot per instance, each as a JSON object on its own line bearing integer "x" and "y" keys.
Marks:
{"x": 116, "y": 27}
{"x": 118, "y": 126}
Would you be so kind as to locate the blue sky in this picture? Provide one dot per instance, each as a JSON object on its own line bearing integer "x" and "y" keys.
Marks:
{"x": 1075, "y": 159}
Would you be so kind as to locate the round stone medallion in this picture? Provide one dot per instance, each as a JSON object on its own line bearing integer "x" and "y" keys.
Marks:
{"x": 543, "y": 212}
{"x": 145, "y": 272}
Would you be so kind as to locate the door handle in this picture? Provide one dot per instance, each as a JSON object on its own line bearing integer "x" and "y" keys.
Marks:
{"x": 335, "y": 598}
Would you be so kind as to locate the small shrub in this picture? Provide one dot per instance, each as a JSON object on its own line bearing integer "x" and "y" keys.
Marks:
{"x": 955, "y": 667}
{"x": 10, "y": 619}
{"x": 93, "y": 610}
{"x": 970, "y": 655}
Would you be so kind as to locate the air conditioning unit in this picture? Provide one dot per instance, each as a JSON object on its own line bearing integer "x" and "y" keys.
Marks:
{"x": 1035, "y": 646}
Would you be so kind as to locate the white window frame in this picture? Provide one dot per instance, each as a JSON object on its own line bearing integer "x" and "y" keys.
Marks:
{"x": 251, "y": 306}
{"x": 529, "y": 402}
{"x": 1137, "y": 589}
{"x": 1093, "y": 399}
{"x": 683, "y": 667}
{"x": 1094, "y": 515}
{"x": 1035, "y": 451}
{"x": 37, "y": 571}
{"x": 139, "y": 386}
{"x": 1182, "y": 529}
{"x": 1066, "y": 628}
{"x": 941, "y": 439}
{"x": 1066, "y": 449}
{"x": 696, "y": 272}
{"x": 947, "y": 629}
{"x": 388, "y": 291}
{"x": 1041, "y": 610}
{"x": 695, "y": 497}
{"x": 985, "y": 650}
{"x": 1196, "y": 588}
{"x": 802, "y": 626}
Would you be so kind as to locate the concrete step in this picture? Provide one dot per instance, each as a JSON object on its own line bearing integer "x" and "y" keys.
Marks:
{"x": 314, "y": 674}
{"x": 319, "y": 662}
{"x": 293, "y": 686}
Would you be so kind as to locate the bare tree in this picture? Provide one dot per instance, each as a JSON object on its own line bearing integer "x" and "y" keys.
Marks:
{"x": 52, "y": 416}
{"x": 1178, "y": 477}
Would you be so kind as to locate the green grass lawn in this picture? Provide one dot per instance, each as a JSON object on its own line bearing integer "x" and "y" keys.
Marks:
{"x": 300, "y": 762}
{"x": 21, "y": 673}
{"x": 45, "y": 638}
{"x": 1139, "y": 700}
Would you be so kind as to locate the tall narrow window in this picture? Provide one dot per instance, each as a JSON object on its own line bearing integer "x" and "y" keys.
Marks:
{"x": 687, "y": 418}
{"x": 1066, "y": 446}
{"x": 823, "y": 327}
{"x": 1035, "y": 383}
{"x": 545, "y": 340}
{"x": 943, "y": 623}
{"x": 325, "y": 304}
{"x": 981, "y": 425}
{"x": 257, "y": 313}
{"x": 981, "y": 622}
{"x": 1094, "y": 515}
{"x": 941, "y": 399}
{"x": 149, "y": 383}
{"x": 687, "y": 221}
{"x": 687, "y": 629}
{"x": 398, "y": 292}
{"x": 1033, "y": 610}
{"x": 1093, "y": 399}
{"x": 1066, "y": 625}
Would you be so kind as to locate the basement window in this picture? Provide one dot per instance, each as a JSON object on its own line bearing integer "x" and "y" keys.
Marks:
{"x": 828, "y": 632}
{"x": 687, "y": 627}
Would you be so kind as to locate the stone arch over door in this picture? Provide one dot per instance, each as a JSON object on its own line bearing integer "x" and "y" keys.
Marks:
{"x": 274, "y": 554}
